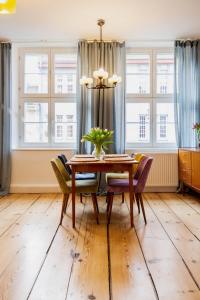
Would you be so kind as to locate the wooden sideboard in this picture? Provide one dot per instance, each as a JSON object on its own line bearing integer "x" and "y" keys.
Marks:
{"x": 189, "y": 167}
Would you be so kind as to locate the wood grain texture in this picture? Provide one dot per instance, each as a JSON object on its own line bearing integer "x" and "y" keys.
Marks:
{"x": 164, "y": 261}
{"x": 129, "y": 272}
{"x": 184, "y": 241}
{"x": 41, "y": 261}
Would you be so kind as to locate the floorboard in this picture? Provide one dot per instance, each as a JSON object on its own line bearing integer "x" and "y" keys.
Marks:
{"x": 43, "y": 261}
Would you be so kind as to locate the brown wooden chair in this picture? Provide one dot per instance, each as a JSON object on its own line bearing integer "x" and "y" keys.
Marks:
{"x": 82, "y": 186}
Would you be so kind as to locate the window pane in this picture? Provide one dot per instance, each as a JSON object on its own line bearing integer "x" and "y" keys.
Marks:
{"x": 36, "y": 133}
{"x": 138, "y": 122}
{"x": 165, "y": 73}
{"x": 35, "y": 122}
{"x": 65, "y": 73}
{"x": 35, "y": 112}
{"x": 138, "y": 74}
{"x": 165, "y": 127}
{"x": 65, "y": 122}
{"x": 36, "y": 74}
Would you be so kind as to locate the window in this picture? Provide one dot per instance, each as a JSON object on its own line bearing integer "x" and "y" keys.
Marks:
{"x": 149, "y": 98}
{"x": 36, "y": 73}
{"x": 65, "y": 124}
{"x": 164, "y": 73}
{"x": 165, "y": 127}
{"x": 137, "y": 118}
{"x": 138, "y": 74}
{"x": 47, "y": 97}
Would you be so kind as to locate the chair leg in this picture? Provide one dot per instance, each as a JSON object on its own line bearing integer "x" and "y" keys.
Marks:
{"x": 97, "y": 204}
{"x": 66, "y": 202}
{"x": 122, "y": 197}
{"x": 107, "y": 201}
{"x": 81, "y": 198}
{"x": 110, "y": 203}
{"x": 142, "y": 206}
{"x": 64, "y": 206}
{"x": 138, "y": 202}
{"x": 94, "y": 201}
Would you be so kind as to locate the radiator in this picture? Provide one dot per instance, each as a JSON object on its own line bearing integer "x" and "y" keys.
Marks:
{"x": 164, "y": 171}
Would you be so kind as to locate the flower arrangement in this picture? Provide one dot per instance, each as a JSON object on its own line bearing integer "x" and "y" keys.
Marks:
{"x": 100, "y": 138}
{"x": 196, "y": 127}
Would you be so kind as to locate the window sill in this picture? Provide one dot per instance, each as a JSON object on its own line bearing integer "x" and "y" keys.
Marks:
{"x": 153, "y": 150}
{"x": 143, "y": 150}
{"x": 43, "y": 149}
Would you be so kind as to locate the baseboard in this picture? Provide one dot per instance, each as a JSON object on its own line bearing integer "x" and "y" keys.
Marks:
{"x": 34, "y": 188}
{"x": 160, "y": 189}
{"x": 53, "y": 188}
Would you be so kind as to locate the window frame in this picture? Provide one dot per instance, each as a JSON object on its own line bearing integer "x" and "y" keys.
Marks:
{"x": 51, "y": 98}
{"x": 153, "y": 98}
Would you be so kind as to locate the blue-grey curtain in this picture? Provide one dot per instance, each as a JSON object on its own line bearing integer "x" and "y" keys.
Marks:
{"x": 187, "y": 91}
{"x": 104, "y": 109}
{"x": 5, "y": 95}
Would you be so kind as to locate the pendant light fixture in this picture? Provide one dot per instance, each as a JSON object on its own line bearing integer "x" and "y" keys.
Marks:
{"x": 7, "y": 6}
{"x": 100, "y": 75}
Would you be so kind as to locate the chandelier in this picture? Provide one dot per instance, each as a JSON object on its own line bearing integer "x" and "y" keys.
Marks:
{"x": 100, "y": 75}
{"x": 7, "y": 6}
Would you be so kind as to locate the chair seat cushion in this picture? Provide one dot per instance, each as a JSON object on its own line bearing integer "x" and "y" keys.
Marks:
{"x": 84, "y": 186}
{"x": 120, "y": 185}
{"x": 110, "y": 176}
{"x": 85, "y": 176}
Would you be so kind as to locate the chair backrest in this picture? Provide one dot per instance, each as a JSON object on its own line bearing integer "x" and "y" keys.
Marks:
{"x": 144, "y": 173}
{"x": 140, "y": 167}
{"x": 61, "y": 174}
{"x": 63, "y": 159}
{"x": 138, "y": 157}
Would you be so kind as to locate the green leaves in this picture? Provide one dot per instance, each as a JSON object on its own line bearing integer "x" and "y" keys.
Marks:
{"x": 98, "y": 136}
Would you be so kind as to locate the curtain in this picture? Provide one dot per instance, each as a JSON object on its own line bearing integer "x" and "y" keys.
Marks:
{"x": 101, "y": 108}
{"x": 187, "y": 91}
{"x": 5, "y": 95}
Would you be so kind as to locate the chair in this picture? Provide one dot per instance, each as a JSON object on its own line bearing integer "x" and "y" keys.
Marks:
{"x": 79, "y": 176}
{"x": 109, "y": 176}
{"x": 65, "y": 183}
{"x": 122, "y": 185}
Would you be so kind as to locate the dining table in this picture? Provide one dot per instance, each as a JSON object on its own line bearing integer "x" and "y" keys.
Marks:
{"x": 109, "y": 163}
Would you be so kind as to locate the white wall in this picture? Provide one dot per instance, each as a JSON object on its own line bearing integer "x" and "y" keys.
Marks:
{"x": 32, "y": 171}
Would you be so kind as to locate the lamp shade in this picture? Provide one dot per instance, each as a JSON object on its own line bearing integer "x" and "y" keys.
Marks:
{"x": 7, "y": 6}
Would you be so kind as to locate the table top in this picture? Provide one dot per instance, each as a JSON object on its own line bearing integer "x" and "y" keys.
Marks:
{"x": 82, "y": 160}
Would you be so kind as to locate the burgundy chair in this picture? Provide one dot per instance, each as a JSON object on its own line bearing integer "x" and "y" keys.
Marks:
{"x": 122, "y": 186}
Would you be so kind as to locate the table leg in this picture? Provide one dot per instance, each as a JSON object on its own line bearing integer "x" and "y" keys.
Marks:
{"x": 73, "y": 197}
{"x": 131, "y": 193}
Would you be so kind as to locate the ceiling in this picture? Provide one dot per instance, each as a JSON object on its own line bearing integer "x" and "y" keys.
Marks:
{"x": 130, "y": 20}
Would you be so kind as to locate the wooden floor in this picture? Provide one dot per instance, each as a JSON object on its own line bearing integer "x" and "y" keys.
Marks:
{"x": 40, "y": 260}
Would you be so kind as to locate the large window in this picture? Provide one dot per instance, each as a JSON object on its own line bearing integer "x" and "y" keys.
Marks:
{"x": 47, "y": 97}
{"x": 149, "y": 98}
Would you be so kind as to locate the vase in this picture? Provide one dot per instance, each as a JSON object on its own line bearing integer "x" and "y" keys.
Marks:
{"x": 98, "y": 152}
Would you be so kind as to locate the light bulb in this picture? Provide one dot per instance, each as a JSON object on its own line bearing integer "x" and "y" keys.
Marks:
{"x": 100, "y": 74}
{"x": 114, "y": 79}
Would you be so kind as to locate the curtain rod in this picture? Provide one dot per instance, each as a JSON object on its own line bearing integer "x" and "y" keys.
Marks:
{"x": 105, "y": 41}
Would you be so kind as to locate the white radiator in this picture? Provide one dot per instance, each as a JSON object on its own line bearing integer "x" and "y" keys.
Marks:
{"x": 164, "y": 171}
